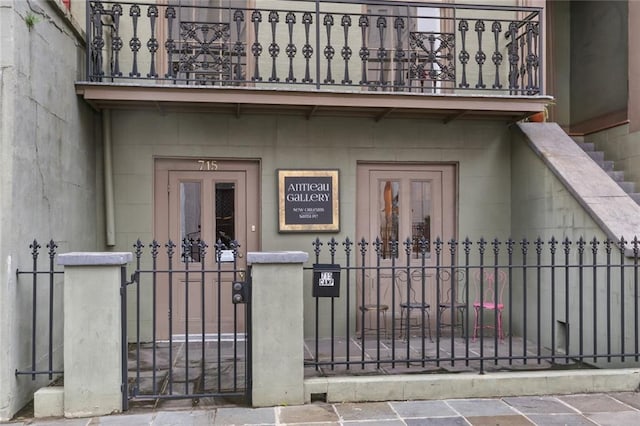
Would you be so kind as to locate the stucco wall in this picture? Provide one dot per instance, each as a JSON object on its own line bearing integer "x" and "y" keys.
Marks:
{"x": 560, "y": 62}
{"x": 598, "y": 34}
{"x": 48, "y": 180}
{"x": 543, "y": 207}
{"x": 480, "y": 148}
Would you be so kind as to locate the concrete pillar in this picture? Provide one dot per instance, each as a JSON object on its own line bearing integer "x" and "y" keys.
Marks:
{"x": 92, "y": 333}
{"x": 277, "y": 329}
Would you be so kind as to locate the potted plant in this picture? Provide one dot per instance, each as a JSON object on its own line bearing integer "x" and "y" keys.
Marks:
{"x": 539, "y": 117}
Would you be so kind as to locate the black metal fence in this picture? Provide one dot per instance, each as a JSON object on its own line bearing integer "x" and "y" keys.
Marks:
{"x": 38, "y": 278}
{"x": 353, "y": 45}
{"x": 183, "y": 334}
{"x": 477, "y": 305}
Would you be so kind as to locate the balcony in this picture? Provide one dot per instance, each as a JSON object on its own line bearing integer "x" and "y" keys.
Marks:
{"x": 378, "y": 59}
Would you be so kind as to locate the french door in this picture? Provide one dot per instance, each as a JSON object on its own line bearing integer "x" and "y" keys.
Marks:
{"x": 403, "y": 206}
{"x": 216, "y": 203}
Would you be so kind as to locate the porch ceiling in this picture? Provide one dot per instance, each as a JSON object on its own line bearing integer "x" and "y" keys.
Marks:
{"x": 376, "y": 105}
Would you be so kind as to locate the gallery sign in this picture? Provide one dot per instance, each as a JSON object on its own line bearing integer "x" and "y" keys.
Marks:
{"x": 308, "y": 201}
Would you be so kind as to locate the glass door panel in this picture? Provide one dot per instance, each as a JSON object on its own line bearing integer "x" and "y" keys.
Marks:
{"x": 190, "y": 217}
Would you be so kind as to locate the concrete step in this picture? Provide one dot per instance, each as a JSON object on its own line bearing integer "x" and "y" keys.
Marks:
{"x": 597, "y": 156}
{"x": 607, "y": 165}
{"x": 616, "y": 175}
{"x": 628, "y": 187}
{"x": 587, "y": 146}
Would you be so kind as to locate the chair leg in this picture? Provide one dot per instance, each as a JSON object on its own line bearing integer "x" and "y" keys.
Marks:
{"x": 384, "y": 321}
{"x": 475, "y": 325}
{"x": 439, "y": 323}
{"x": 463, "y": 330}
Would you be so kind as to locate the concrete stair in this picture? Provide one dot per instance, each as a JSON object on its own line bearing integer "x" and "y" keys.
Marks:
{"x": 608, "y": 166}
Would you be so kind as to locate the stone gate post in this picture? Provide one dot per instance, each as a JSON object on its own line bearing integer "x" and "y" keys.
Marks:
{"x": 92, "y": 332}
{"x": 277, "y": 327}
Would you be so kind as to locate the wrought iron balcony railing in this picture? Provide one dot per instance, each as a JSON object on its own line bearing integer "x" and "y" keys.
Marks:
{"x": 318, "y": 45}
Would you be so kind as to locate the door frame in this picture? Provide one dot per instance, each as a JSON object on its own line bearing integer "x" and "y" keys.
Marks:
{"x": 365, "y": 217}
{"x": 163, "y": 210}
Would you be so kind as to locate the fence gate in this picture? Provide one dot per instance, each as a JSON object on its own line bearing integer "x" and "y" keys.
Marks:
{"x": 186, "y": 324}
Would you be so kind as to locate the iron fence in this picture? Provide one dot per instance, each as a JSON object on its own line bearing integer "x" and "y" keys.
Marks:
{"x": 36, "y": 274}
{"x": 187, "y": 338}
{"x": 491, "y": 304}
{"x": 341, "y": 44}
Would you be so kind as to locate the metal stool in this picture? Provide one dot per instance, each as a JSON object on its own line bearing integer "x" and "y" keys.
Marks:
{"x": 378, "y": 310}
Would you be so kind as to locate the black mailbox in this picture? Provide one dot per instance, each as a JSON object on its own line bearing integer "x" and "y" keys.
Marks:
{"x": 326, "y": 280}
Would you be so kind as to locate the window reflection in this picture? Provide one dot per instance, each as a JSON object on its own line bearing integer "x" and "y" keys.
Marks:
{"x": 190, "y": 226}
{"x": 420, "y": 215}
{"x": 225, "y": 212}
{"x": 389, "y": 215}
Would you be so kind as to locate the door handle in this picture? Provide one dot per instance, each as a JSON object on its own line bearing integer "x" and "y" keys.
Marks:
{"x": 241, "y": 273}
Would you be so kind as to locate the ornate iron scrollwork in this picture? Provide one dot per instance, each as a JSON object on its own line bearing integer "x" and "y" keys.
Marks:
{"x": 274, "y": 48}
{"x": 496, "y": 28}
{"x": 346, "y": 51}
{"x": 481, "y": 57}
{"x": 363, "y": 23}
{"x": 170, "y": 45}
{"x": 399, "y": 25}
{"x": 307, "y": 49}
{"x": 116, "y": 40}
{"x": 329, "y": 50}
{"x": 204, "y": 51}
{"x": 381, "y": 24}
{"x": 463, "y": 27}
{"x": 152, "y": 44}
{"x": 432, "y": 57}
{"x": 134, "y": 43}
{"x": 256, "y": 47}
{"x": 291, "y": 49}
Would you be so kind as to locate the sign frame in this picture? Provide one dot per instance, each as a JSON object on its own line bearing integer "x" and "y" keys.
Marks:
{"x": 318, "y": 220}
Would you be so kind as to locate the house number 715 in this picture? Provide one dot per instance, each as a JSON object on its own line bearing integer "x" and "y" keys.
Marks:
{"x": 208, "y": 164}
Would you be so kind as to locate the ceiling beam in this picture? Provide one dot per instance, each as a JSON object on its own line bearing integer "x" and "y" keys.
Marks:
{"x": 455, "y": 116}
{"x": 312, "y": 112}
{"x": 384, "y": 114}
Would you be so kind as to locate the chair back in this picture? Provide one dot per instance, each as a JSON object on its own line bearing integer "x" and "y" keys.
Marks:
{"x": 412, "y": 285}
{"x": 452, "y": 289}
{"x": 492, "y": 283}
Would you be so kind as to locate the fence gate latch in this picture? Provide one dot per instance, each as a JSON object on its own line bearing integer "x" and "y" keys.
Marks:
{"x": 240, "y": 292}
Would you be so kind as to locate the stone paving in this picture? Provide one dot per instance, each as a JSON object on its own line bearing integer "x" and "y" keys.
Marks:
{"x": 619, "y": 409}
{"x": 218, "y": 367}
{"x": 451, "y": 354}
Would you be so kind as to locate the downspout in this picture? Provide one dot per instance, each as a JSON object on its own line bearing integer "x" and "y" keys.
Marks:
{"x": 109, "y": 212}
